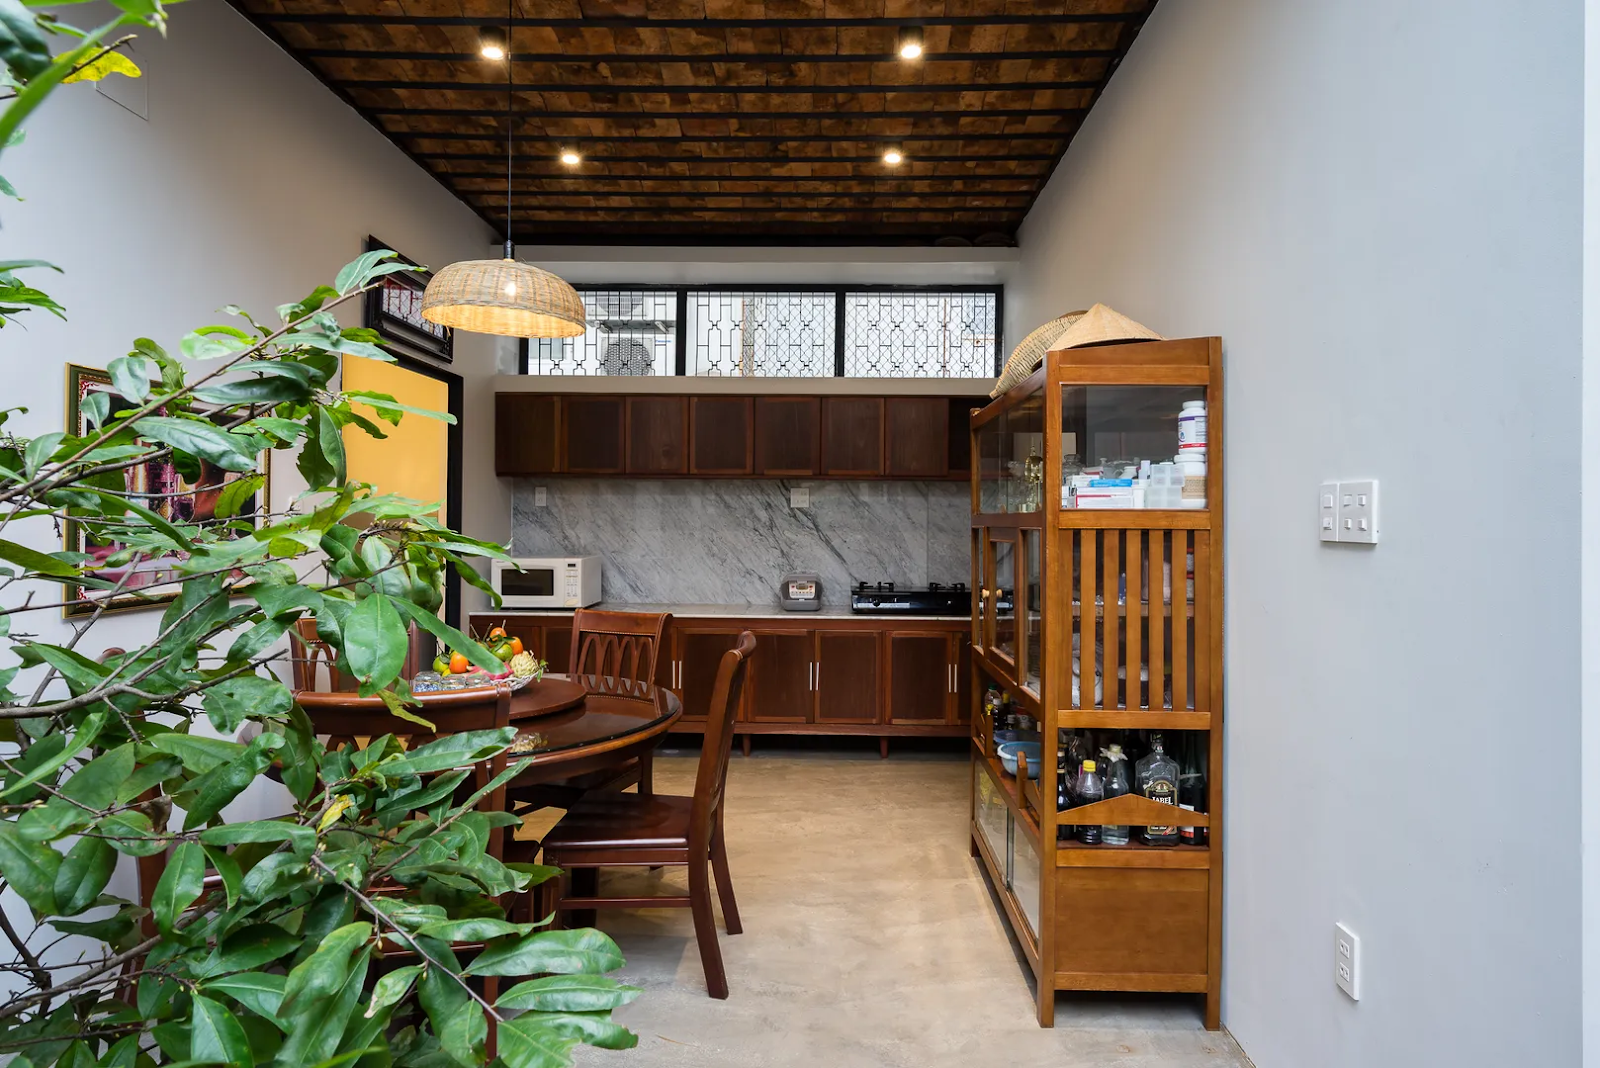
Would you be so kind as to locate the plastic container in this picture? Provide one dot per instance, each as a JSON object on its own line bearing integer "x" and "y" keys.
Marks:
{"x": 1086, "y": 790}
{"x": 1191, "y": 469}
{"x": 1117, "y": 783}
{"x": 1192, "y": 428}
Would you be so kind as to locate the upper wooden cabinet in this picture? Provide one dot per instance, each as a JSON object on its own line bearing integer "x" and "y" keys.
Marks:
{"x": 918, "y": 436}
{"x": 788, "y": 436}
{"x": 721, "y": 436}
{"x": 591, "y": 435}
{"x": 527, "y": 434}
{"x": 658, "y": 435}
{"x": 648, "y": 435}
{"x": 852, "y": 436}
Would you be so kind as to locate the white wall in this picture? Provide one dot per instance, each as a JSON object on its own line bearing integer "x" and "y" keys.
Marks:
{"x": 250, "y": 183}
{"x": 1590, "y": 530}
{"x": 1378, "y": 207}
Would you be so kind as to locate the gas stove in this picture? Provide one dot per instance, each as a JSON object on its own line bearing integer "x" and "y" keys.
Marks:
{"x": 937, "y": 599}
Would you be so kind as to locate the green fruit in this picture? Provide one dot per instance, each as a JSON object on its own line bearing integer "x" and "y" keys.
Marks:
{"x": 503, "y": 651}
{"x": 441, "y": 665}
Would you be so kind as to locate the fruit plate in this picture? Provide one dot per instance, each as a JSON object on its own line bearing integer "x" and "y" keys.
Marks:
{"x": 513, "y": 682}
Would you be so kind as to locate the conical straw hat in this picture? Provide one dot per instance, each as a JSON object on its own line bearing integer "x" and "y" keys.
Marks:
{"x": 1030, "y": 351}
{"x": 1101, "y": 325}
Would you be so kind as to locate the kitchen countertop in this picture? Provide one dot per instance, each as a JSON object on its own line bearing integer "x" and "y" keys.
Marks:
{"x": 737, "y": 611}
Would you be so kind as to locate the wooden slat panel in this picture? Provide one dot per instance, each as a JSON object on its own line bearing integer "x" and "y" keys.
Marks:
{"x": 1111, "y": 624}
{"x": 1180, "y": 622}
{"x": 1203, "y": 616}
{"x": 1133, "y": 568}
{"x": 1084, "y": 624}
{"x": 1158, "y": 621}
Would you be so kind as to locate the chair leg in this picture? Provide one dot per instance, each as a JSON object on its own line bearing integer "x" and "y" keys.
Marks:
{"x": 585, "y": 882}
{"x": 646, "y": 774}
{"x": 719, "y": 868}
{"x": 705, "y": 930}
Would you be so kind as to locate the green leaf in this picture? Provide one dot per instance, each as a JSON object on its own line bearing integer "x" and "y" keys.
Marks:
{"x": 387, "y": 404}
{"x": 93, "y": 724}
{"x": 95, "y": 408}
{"x": 453, "y": 751}
{"x": 452, "y": 638}
{"x": 130, "y": 377}
{"x": 229, "y": 702}
{"x": 237, "y": 493}
{"x": 212, "y": 792}
{"x": 95, "y": 784}
{"x": 530, "y": 1045}
{"x": 253, "y": 642}
{"x": 132, "y": 834}
{"x": 318, "y": 297}
{"x": 554, "y": 952}
{"x": 180, "y": 884}
{"x": 457, "y": 1020}
{"x": 260, "y": 992}
{"x": 227, "y": 870}
{"x": 22, "y": 46}
{"x": 112, "y": 929}
{"x": 302, "y": 839}
{"x": 331, "y": 442}
{"x": 474, "y": 929}
{"x": 399, "y": 708}
{"x": 32, "y": 560}
{"x": 391, "y": 987}
{"x": 84, "y": 873}
{"x": 375, "y": 641}
{"x": 30, "y": 868}
{"x": 217, "y": 1036}
{"x": 322, "y": 973}
{"x": 40, "y": 449}
{"x": 198, "y": 437}
{"x": 315, "y": 1037}
{"x": 273, "y": 390}
{"x": 567, "y": 993}
{"x": 364, "y": 268}
{"x": 593, "y": 1029}
{"x": 199, "y": 754}
{"x": 210, "y": 342}
{"x": 251, "y": 947}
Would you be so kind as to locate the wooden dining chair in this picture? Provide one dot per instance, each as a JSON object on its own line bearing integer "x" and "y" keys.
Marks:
{"x": 651, "y": 830}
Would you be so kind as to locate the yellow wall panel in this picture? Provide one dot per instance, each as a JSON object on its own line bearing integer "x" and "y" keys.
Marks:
{"x": 412, "y": 460}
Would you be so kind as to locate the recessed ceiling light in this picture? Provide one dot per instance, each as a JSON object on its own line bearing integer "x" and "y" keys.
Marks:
{"x": 492, "y": 42}
{"x": 570, "y": 158}
{"x": 911, "y": 42}
{"x": 893, "y": 156}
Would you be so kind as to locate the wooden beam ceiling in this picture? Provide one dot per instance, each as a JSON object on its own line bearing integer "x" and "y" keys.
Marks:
{"x": 724, "y": 120}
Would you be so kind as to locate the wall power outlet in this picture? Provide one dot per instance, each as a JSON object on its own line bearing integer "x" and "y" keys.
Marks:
{"x": 1347, "y": 961}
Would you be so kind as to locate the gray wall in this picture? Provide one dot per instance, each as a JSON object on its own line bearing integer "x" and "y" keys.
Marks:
{"x": 730, "y": 541}
{"x": 1377, "y": 206}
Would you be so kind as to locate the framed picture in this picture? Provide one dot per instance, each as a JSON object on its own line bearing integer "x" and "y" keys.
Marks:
{"x": 162, "y": 489}
{"x": 394, "y": 309}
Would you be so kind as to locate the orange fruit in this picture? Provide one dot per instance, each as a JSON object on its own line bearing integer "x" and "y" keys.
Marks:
{"x": 497, "y": 632}
{"x": 516, "y": 646}
{"x": 459, "y": 664}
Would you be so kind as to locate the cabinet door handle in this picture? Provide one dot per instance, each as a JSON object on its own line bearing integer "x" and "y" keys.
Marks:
{"x": 818, "y": 684}
{"x": 809, "y": 683}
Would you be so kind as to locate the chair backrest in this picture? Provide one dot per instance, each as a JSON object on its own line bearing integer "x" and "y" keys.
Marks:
{"x": 308, "y": 653}
{"x": 621, "y": 645}
{"x": 712, "y": 774}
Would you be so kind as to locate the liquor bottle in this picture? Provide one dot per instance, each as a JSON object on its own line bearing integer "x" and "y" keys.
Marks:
{"x": 1063, "y": 790}
{"x": 1192, "y": 789}
{"x": 1087, "y": 790}
{"x": 1007, "y": 712}
{"x": 1156, "y": 777}
{"x": 1116, "y": 784}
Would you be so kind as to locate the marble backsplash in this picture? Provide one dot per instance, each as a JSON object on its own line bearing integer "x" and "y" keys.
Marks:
{"x": 730, "y": 541}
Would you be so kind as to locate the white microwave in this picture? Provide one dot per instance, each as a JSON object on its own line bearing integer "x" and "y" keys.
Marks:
{"x": 547, "y": 581}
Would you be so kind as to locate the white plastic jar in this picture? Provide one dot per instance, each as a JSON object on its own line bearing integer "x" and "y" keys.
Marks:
{"x": 1192, "y": 469}
{"x": 1192, "y": 429}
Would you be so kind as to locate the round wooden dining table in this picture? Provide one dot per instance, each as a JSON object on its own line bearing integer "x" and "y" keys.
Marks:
{"x": 567, "y": 725}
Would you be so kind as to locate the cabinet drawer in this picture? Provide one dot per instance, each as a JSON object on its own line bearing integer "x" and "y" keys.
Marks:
{"x": 1119, "y": 921}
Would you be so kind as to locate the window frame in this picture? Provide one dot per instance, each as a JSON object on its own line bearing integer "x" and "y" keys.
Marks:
{"x": 681, "y": 359}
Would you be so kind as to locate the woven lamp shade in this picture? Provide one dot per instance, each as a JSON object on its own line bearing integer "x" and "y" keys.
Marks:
{"x": 503, "y": 297}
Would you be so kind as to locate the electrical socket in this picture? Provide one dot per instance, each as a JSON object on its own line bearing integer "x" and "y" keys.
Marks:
{"x": 799, "y": 497}
{"x": 1347, "y": 961}
{"x": 1328, "y": 511}
{"x": 540, "y": 497}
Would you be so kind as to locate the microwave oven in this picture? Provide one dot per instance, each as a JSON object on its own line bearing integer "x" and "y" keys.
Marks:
{"x": 547, "y": 581}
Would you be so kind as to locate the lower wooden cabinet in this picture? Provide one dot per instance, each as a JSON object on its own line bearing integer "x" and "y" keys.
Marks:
{"x": 779, "y": 686}
{"x": 698, "y": 653}
{"x": 849, "y": 676}
{"x": 930, "y": 677}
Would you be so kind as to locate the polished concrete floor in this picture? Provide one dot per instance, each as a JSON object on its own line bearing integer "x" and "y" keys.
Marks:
{"x": 870, "y": 939}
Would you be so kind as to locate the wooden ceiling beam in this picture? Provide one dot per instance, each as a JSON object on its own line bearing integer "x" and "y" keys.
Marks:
{"x": 611, "y": 89}
{"x": 743, "y": 115}
{"x": 786, "y": 59}
{"x": 652, "y": 176}
{"x": 339, "y": 18}
{"x": 1016, "y": 157}
{"x": 739, "y": 138}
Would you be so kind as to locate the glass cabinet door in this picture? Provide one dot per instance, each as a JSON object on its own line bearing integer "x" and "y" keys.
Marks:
{"x": 1025, "y": 455}
{"x": 1000, "y": 612}
{"x": 1134, "y": 447}
{"x": 992, "y": 471}
{"x": 1031, "y": 610}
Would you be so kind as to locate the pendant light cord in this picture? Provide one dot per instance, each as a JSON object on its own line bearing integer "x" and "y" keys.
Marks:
{"x": 511, "y": 122}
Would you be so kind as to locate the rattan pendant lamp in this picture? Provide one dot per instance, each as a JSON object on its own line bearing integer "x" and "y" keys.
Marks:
{"x": 504, "y": 296}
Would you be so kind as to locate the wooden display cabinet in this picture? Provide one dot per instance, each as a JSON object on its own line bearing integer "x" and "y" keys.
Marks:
{"x": 1099, "y": 620}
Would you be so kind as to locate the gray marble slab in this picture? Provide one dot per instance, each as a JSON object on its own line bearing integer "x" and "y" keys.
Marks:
{"x": 730, "y": 541}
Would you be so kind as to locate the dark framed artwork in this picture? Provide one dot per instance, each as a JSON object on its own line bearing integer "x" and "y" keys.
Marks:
{"x": 161, "y": 488}
{"x": 394, "y": 309}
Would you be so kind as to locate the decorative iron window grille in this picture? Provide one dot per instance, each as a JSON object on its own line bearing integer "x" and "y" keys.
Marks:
{"x": 778, "y": 331}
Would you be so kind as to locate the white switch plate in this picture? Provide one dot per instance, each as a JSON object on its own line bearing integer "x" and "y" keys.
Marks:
{"x": 540, "y": 497}
{"x": 800, "y": 497}
{"x": 1359, "y": 512}
{"x": 1347, "y": 961}
{"x": 1328, "y": 511}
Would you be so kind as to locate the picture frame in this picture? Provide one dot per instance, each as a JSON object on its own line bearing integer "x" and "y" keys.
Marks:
{"x": 394, "y": 309}
{"x": 155, "y": 580}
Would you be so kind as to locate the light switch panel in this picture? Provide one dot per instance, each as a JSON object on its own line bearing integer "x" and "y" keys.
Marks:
{"x": 1328, "y": 512}
{"x": 1358, "y": 512}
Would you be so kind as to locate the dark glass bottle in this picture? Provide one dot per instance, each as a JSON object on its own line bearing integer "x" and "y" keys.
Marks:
{"x": 1192, "y": 787}
{"x": 1156, "y": 777}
